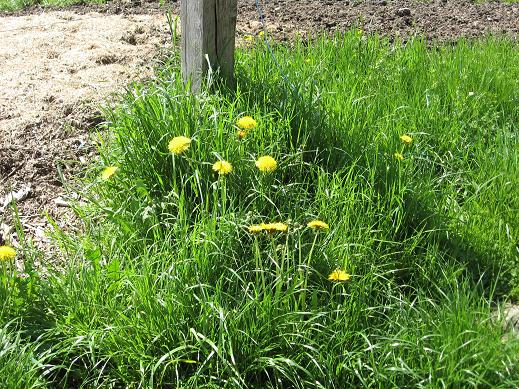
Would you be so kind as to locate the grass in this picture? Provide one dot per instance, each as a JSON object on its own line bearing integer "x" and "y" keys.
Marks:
{"x": 168, "y": 288}
{"x": 16, "y": 5}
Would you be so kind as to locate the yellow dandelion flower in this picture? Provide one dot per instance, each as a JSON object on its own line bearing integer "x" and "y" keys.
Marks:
{"x": 179, "y": 144}
{"x": 246, "y": 123}
{"x": 266, "y": 164}
{"x": 406, "y": 139}
{"x": 318, "y": 225}
{"x": 248, "y": 38}
{"x": 222, "y": 167}
{"x": 261, "y": 34}
{"x": 7, "y": 253}
{"x": 274, "y": 227}
{"x": 281, "y": 227}
{"x": 256, "y": 228}
{"x": 339, "y": 275}
{"x": 242, "y": 134}
{"x": 108, "y": 172}
{"x": 398, "y": 156}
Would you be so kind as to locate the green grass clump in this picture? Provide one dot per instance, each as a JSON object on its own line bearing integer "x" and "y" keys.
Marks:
{"x": 20, "y": 363}
{"x": 16, "y": 5}
{"x": 169, "y": 288}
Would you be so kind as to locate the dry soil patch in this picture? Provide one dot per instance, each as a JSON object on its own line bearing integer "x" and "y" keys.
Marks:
{"x": 56, "y": 68}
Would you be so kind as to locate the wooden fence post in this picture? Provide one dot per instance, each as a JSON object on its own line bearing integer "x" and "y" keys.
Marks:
{"x": 208, "y": 28}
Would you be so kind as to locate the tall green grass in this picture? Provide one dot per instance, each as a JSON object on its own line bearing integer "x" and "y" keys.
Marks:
{"x": 16, "y": 5}
{"x": 168, "y": 288}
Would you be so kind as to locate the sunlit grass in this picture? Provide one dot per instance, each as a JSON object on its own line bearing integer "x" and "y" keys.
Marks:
{"x": 15, "y": 5}
{"x": 190, "y": 278}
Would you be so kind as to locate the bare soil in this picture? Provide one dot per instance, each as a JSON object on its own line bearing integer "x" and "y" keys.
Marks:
{"x": 56, "y": 69}
{"x": 58, "y": 66}
{"x": 437, "y": 20}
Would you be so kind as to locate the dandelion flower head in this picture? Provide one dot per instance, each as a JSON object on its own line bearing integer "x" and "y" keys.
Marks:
{"x": 242, "y": 134}
{"x": 261, "y": 34}
{"x": 269, "y": 227}
{"x": 248, "y": 38}
{"x": 108, "y": 172}
{"x": 222, "y": 167}
{"x": 254, "y": 229}
{"x": 318, "y": 225}
{"x": 406, "y": 139}
{"x": 398, "y": 156}
{"x": 179, "y": 144}
{"x": 7, "y": 253}
{"x": 266, "y": 164}
{"x": 246, "y": 123}
{"x": 339, "y": 275}
{"x": 274, "y": 227}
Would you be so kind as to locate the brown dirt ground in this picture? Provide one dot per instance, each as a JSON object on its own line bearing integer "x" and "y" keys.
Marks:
{"x": 57, "y": 66}
{"x": 56, "y": 69}
{"x": 436, "y": 20}
{"x": 439, "y": 20}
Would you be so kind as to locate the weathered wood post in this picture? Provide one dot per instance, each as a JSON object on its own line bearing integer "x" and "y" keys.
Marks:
{"x": 208, "y": 28}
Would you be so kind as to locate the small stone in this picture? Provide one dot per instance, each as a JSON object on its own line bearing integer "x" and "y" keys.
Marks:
{"x": 14, "y": 196}
{"x": 511, "y": 318}
{"x": 403, "y": 12}
{"x": 6, "y": 232}
{"x": 60, "y": 202}
{"x": 255, "y": 25}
